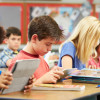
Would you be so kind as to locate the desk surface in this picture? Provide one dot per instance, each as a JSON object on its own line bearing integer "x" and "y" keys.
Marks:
{"x": 57, "y": 95}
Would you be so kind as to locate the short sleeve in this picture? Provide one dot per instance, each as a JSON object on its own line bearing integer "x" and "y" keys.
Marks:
{"x": 68, "y": 49}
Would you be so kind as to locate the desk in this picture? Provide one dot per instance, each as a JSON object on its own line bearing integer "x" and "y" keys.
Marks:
{"x": 57, "y": 95}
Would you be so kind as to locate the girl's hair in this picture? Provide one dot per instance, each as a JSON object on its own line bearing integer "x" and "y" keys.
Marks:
{"x": 85, "y": 37}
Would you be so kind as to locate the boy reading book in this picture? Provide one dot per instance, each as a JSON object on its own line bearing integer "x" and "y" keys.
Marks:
{"x": 43, "y": 31}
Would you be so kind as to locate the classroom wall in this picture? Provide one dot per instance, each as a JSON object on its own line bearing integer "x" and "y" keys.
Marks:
{"x": 14, "y": 15}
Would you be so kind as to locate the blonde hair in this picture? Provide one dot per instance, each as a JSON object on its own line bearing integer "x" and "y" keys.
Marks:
{"x": 85, "y": 37}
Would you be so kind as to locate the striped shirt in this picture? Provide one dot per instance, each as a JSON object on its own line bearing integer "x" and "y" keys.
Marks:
{"x": 5, "y": 55}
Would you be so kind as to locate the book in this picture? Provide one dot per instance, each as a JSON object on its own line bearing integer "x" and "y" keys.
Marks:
{"x": 68, "y": 72}
{"x": 58, "y": 87}
{"x": 93, "y": 73}
{"x": 86, "y": 76}
{"x": 22, "y": 71}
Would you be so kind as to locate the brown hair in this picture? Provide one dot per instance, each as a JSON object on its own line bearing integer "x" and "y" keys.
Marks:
{"x": 2, "y": 34}
{"x": 44, "y": 27}
{"x": 12, "y": 30}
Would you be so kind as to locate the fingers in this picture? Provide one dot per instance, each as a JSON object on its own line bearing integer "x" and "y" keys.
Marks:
{"x": 7, "y": 76}
{"x": 28, "y": 88}
{"x": 57, "y": 68}
{"x": 30, "y": 84}
{"x": 92, "y": 67}
{"x": 32, "y": 77}
{"x": 31, "y": 80}
{"x": 4, "y": 86}
{"x": 7, "y": 73}
{"x": 58, "y": 72}
{"x": 56, "y": 76}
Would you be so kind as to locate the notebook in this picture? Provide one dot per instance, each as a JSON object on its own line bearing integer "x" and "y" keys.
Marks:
{"x": 58, "y": 87}
{"x": 22, "y": 71}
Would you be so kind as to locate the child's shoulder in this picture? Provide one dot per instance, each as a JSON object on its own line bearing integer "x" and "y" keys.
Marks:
{"x": 69, "y": 44}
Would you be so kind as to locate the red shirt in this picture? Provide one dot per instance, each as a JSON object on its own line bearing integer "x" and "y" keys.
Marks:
{"x": 92, "y": 62}
{"x": 41, "y": 70}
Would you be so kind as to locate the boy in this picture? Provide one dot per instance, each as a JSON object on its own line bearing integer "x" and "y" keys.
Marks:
{"x": 43, "y": 31}
{"x": 13, "y": 40}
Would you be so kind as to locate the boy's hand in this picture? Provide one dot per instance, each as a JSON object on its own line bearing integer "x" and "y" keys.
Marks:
{"x": 5, "y": 79}
{"x": 30, "y": 84}
{"x": 52, "y": 76}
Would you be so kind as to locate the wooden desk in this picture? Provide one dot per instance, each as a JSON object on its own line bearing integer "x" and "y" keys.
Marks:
{"x": 57, "y": 95}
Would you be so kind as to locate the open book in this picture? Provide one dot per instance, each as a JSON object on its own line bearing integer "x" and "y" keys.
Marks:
{"x": 58, "y": 87}
{"x": 86, "y": 75}
{"x": 22, "y": 71}
{"x": 93, "y": 73}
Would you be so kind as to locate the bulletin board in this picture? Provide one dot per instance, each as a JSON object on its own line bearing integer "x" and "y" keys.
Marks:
{"x": 11, "y": 14}
{"x": 97, "y": 11}
{"x": 66, "y": 15}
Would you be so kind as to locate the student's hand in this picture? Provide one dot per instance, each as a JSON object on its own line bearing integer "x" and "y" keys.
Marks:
{"x": 30, "y": 84}
{"x": 92, "y": 67}
{"x": 51, "y": 77}
{"x": 5, "y": 79}
{"x": 8, "y": 62}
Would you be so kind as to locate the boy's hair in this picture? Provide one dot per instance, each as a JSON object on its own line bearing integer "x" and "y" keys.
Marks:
{"x": 2, "y": 34}
{"x": 44, "y": 27}
{"x": 12, "y": 30}
{"x": 85, "y": 37}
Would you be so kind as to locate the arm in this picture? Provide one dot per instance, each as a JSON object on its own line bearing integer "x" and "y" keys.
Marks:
{"x": 50, "y": 77}
{"x": 8, "y": 62}
{"x": 67, "y": 62}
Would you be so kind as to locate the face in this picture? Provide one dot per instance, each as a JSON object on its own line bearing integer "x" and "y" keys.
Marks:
{"x": 13, "y": 42}
{"x": 42, "y": 47}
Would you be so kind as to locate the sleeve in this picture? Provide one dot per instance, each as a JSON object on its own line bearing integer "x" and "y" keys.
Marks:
{"x": 90, "y": 62}
{"x": 68, "y": 49}
{"x": 11, "y": 65}
{"x": 2, "y": 64}
{"x": 3, "y": 60}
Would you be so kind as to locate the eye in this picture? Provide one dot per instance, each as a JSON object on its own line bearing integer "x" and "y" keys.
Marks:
{"x": 19, "y": 39}
{"x": 13, "y": 38}
{"x": 47, "y": 44}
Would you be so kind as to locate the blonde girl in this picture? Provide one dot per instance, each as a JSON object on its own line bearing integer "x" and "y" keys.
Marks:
{"x": 75, "y": 52}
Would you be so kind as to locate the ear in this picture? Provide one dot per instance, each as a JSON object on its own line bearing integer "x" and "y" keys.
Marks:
{"x": 34, "y": 38}
{"x": 6, "y": 40}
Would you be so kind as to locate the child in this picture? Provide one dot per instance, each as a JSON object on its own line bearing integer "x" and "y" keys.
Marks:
{"x": 43, "y": 31}
{"x": 13, "y": 40}
{"x": 94, "y": 61}
{"x": 6, "y": 77}
{"x": 76, "y": 51}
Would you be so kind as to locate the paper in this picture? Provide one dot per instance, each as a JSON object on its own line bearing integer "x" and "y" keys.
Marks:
{"x": 23, "y": 70}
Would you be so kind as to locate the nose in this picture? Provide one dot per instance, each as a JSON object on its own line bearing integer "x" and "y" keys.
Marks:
{"x": 49, "y": 48}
